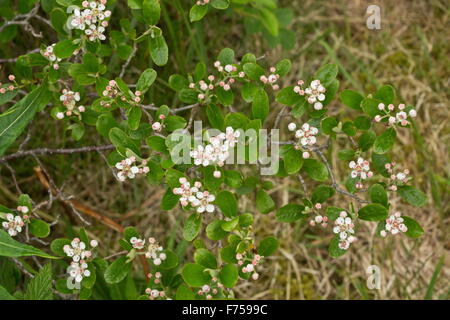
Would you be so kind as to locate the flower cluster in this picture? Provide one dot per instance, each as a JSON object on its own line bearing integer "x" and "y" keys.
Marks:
{"x": 50, "y": 55}
{"x": 137, "y": 243}
{"x": 80, "y": 255}
{"x": 92, "y": 18}
{"x": 11, "y": 86}
{"x": 203, "y": 87}
{"x": 271, "y": 79}
{"x": 361, "y": 170}
{"x": 397, "y": 177}
{"x": 212, "y": 290}
{"x": 315, "y": 93}
{"x": 155, "y": 252}
{"x": 13, "y": 224}
{"x": 344, "y": 228}
{"x": 248, "y": 262}
{"x": 217, "y": 151}
{"x": 394, "y": 225}
{"x": 400, "y": 117}
{"x": 194, "y": 196}
{"x": 202, "y": 2}
{"x": 306, "y": 136}
{"x": 319, "y": 219}
{"x": 153, "y": 293}
{"x": 128, "y": 168}
{"x": 69, "y": 100}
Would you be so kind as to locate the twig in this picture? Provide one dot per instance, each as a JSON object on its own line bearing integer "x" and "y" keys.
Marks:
{"x": 116, "y": 254}
{"x": 125, "y": 65}
{"x": 43, "y": 151}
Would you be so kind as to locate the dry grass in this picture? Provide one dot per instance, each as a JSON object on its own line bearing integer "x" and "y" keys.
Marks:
{"x": 412, "y": 53}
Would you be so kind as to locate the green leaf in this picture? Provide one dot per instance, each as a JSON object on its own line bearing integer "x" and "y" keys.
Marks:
{"x": 290, "y": 213}
{"x": 157, "y": 143}
{"x": 58, "y": 19}
{"x": 205, "y": 258}
{"x": 227, "y": 203}
{"x": 39, "y": 228}
{"x": 159, "y": 50}
{"x": 264, "y": 202}
{"x": 384, "y": 142}
{"x": 214, "y": 230}
{"x": 352, "y": 99}
{"x": 253, "y": 71}
{"x": 171, "y": 260}
{"x": 288, "y": 97}
{"x": 5, "y": 295}
{"x": 269, "y": 20}
{"x": 370, "y": 107}
{"x": 327, "y": 73}
{"x": 260, "y": 105}
{"x": 122, "y": 141}
{"x": 145, "y": 80}
{"x": 184, "y": 293}
{"x": 373, "y": 212}
{"x": 386, "y": 94}
{"x": 229, "y": 275}
{"x": 333, "y": 249}
{"x": 57, "y": 246}
{"x": 333, "y": 212}
{"x": 231, "y": 224}
{"x": 268, "y": 246}
{"x": 315, "y": 169}
{"x": 64, "y": 49}
{"x": 134, "y": 115}
{"x": 322, "y": 193}
{"x": 198, "y": 12}
{"x": 328, "y": 124}
{"x": 366, "y": 140}
{"x": 40, "y": 287}
{"x": 377, "y": 194}
{"x": 14, "y": 120}
{"x": 117, "y": 271}
{"x": 175, "y": 122}
{"x": 12, "y": 248}
{"x": 220, "y": 4}
{"x": 215, "y": 117}
{"x": 194, "y": 275}
{"x": 192, "y": 227}
{"x": 412, "y": 195}
{"x": 8, "y": 95}
{"x": 233, "y": 178}
{"x": 169, "y": 200}
{"x": 293, "y": 159}
{"x": 414, "y": 228}
{"x": 151, "y": 11}
{"x": 226, "y": 56}
{"x": 283, "y": 67}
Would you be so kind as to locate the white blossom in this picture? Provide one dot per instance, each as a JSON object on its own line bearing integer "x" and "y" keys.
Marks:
{"x": 360, "y": 168}
{"x": 13, "y": 224}
{"x": 394, "y": 225}
{"x": 128, "y": 168}
{"x": 77, "y": 250}
{"x": 344, "y": 228}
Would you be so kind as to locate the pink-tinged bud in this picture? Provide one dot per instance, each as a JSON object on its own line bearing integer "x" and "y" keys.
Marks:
{"x": 300, "y": 82}
{"x": 68, "y": 113}
{"x": 112, "y": 83}
{"x": 192, "y": 85}
{"x": 401, "y": 106}
{"x": 381, "y": 106}
{"x": 137, "y": 99}
{"x": 272, "y": 69}
{"x": 56, "y": 66}
{"x": 231, "y": 81}
{"x": 221, "y": 83}
{"x": 137, "y": 93}
{"x": 305, "y": 155}
{"x": 318, "y": 206}
{"x": 217, "y": 174}
{"x": 157, "y": 281}
{"x": 241, "y": 74}
{"x": 412, "y": 113}
{"x": 275, "y": 87}
{"x": 387, "y": 165}
{"x": 81, "y": 109}
{"x": 162, "y": 117}
{"x": 226, "y": 87}
{"x": 391, "y": 107}
{"x": 238, "y": 256}
{"x": 377, "y": 118}
{"x": 11, "y": 88}
{"x": 255, "y": 276}
{"x": 2, "y": 90}
{"x": 11, "y": 77}
{"x": 201, "y": 96}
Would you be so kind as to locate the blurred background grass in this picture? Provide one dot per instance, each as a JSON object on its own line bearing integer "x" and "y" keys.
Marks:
{"x": 411, "y": 52}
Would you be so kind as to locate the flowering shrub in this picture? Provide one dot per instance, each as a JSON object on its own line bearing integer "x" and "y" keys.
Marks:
{"x": 70, "y": 81}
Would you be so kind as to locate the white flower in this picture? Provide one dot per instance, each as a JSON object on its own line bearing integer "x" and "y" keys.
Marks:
{"x": 343, "y": 226}
{"x": 154, "y": 252}
{"x": 78, "y": 271}
{"x": 137, "y": 243}
{"x": 13, "y": 224}
{"x": 394, "y": 224}
{"x": 91, "y": 19}
{"x": 360, "y": 168}
{"x": 307, "y": 135}
{"x": 77, "y": 250}
{"x": 203, "y": 202}
{"x": 292, "y": 126}
{"x": 315, "y": 94}
{"x": 128, "y": 169}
